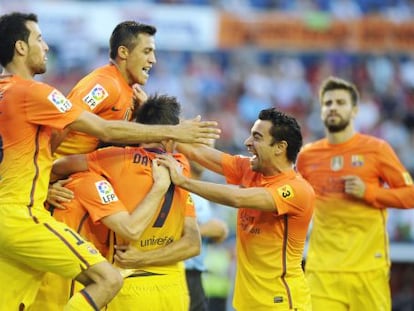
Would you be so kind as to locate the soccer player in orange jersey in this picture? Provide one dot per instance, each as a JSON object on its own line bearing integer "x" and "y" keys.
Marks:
{"x": 355, "y": 177}
{"x": 31, "y": 241}
{"x": 275, "y": 207}
{"x": 112, "y": 91}
{"x": 156, "y": 281}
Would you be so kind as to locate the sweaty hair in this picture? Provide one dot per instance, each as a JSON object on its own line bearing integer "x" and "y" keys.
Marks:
{"x": 159, "y": 109}
{"x": 284, "y": 128}
{"x": 12, "y": 29}
{"x": 126, "y": 34}
{"x": 334, "y": 83}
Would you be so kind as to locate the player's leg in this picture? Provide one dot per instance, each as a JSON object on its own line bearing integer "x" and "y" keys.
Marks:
{"x": 53, "y": 294}
{"x": 371, "y": 290}
{"x": 18, "y": 285}
{"x": 198, "y": 300}
{"x": 30, "y": 245}
{"x": 152, "y": 293}
{"x": 328, "y": 291}
{"x": 102, "y": 282}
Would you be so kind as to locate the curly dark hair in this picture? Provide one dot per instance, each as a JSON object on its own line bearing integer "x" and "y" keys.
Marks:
{"x": 284, "y": 127}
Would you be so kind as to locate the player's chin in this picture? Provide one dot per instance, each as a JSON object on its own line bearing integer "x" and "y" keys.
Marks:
{"x": 142, "y": 79}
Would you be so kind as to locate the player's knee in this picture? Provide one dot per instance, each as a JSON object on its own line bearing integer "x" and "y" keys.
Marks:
{"x": 114, "y": 280}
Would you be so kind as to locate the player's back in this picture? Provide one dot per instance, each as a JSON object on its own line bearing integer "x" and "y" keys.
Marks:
{"x": 130, "y": 173}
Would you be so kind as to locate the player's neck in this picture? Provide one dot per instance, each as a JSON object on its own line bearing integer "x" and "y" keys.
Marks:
{"x": 18, "y": 70}
{"x": 341, "y": 137}
{"x": 121, "y": 71}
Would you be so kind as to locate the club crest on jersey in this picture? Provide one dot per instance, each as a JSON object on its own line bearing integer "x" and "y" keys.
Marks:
{"x": 60, "y": 101}
{"x": 95, "y": 96}
{"x": 337, "y": 163}
{"x": 106, "y": 192}
{"x": 286, "y": 192}
{"x": 357, "y": 160}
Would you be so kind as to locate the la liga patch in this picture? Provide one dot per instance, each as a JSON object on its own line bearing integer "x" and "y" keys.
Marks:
{"x": 60, "y": 101}
{"x": 106, "y": 192}
{"x": 95, "y": 96}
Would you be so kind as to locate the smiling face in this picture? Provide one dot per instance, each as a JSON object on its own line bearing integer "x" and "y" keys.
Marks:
{"x": 337, "y": 110}
{"x": 260, "y": 145}
{"x": 140, "y": 59}
{"x": 37, "y": 48}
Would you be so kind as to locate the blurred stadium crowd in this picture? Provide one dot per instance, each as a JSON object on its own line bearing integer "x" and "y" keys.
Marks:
{"x": 343, "y": 9}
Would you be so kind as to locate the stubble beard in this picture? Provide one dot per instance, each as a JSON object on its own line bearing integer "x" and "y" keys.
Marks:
{"x": 335, "y": 128}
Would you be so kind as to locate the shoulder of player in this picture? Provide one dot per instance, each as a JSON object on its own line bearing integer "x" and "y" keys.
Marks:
{"x": 368, "y": 140}
{"x": 313, "y": 145}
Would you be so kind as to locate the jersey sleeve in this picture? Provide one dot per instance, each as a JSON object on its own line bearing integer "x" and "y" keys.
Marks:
{"x": 233, "y": 167}
{"x": 101, "y": 162}
{"x": 293, "y": 197}
{"x": 97, "y": 196}
{"x": 95, "y": 95}
{"x": 45, "y": 105}
{"x": 399, "y": 190}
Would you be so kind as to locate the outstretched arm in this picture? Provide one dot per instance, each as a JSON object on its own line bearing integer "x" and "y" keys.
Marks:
{"x": 186, "y": 247}
{"x": 256, "y": 197}
{"x": 204, "y": 155}
{"x": 190, "y": 131}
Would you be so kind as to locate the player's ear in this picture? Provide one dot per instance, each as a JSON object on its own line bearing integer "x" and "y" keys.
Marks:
{"x": 123, "y": 52}
{"x": 20, "y": 47}
{"x": 355, "y": 110}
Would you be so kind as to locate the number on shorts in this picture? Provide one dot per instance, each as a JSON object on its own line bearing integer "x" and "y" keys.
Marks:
{"x": 166, "y": 207}
{"x": 79, "y": 241}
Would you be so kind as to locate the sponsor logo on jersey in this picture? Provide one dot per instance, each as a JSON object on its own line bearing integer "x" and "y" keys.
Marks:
{"x": 357, "y": 160}
{"x": 95, "y": 96}
{"x": 60, "y": 101}
{"x": 286, "y": 192}
{"x": 407, "y": 178}
{"x": 337, "y": 163}
{"x": 106, "y": 192}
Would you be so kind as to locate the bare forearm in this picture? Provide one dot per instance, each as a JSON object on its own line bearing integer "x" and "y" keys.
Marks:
{"x": 145, "y": 211}
{"x": 132, "y": 133}
{"x": 124, "y": 132}
{"x": 177, "y": 251}
{"x": 255, "y": 198}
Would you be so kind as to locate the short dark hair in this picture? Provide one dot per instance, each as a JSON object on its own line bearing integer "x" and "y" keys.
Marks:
{"x": 12, "y": 29}
{"x": 284, "y": 127}
{"x": 159, "y": 109}
{"x": 126, "y": 34}
{"x": 335, "y": 83}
